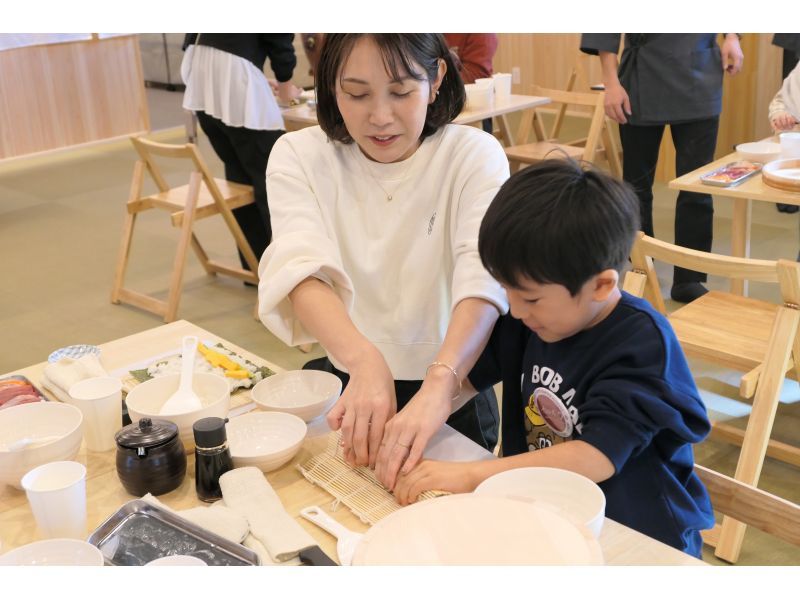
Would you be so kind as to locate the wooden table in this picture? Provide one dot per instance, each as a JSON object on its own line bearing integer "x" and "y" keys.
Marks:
{"x": 302, "y": 116}
{"x": 621, "y": 545}
{"x": 753, "y": 188}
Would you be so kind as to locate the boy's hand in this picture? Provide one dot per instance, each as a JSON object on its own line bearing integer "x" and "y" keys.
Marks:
{"x": 408, "y": 433}
{"x": 434, "y": 475}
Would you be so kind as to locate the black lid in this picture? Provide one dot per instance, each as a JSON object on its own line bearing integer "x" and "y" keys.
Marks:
{"x": 146, "y": 433}
{"x": 210, "y": 432}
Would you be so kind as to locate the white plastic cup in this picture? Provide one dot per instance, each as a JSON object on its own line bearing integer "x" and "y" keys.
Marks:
{"x": 100, "y": 401}
{"x": 57, "y": 494}
{"x": 502, "y": 85}
{"x": 790, "y": 145}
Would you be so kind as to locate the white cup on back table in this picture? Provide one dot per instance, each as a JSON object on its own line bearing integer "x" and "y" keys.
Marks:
{"x": 790, "y": 145}
{"x": 100, "y": 401}
{"x": 57, "y": 494}
{"x": 502, "y": 85}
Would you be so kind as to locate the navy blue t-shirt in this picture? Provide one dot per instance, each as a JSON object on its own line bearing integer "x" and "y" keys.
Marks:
{"x": 624, "y": 387}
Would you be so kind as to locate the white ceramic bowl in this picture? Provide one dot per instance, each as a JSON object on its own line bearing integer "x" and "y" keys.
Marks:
{"x": 58, "y": 551}
{"x": 147, "y": 398}
{"x": 174, "y": 560}
{"x": 265, "y": 439}
{"x": 573, "y": 494}
{"x": 59, "y": 424}
{"x": 759, "y": 151}
{"x": 304, "y": 393}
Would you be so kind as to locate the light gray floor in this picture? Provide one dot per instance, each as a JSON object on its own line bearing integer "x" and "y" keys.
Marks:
{"x": 60, "y": 222}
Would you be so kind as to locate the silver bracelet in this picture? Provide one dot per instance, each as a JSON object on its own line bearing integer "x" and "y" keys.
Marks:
{"x": 452, "y": 371}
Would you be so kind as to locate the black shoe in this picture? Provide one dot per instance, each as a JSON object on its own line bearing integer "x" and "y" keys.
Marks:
{"x": 686, "y": 292}
{"x": 787, "y": 208}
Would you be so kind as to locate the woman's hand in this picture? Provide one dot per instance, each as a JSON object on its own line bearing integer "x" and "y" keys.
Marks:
{"x": 363, "y": 409}
{"x": 617, "y": 103}
{"x": 434, "y": 475}
{"x": 783, "y": 121}
{"x": 408, "y": 433}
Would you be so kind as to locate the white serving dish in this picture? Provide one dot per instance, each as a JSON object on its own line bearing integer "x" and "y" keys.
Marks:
{"x": 759, "y": 151}
{"x": 147, "y": 398}
{"x": 265, "y": 439}
{"x": 304, "y": 393}
{"x": 57, "y": 426}
{"x": 57, "y": 551}
{"x": 574, "y": 494}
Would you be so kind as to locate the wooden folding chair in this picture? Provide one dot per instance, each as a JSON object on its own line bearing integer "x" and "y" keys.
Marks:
{"x": 204, "y": 196}
{"x": 598, "y": 143}
{"x": 753, "y": 336}
{"x": 748, "y": 504}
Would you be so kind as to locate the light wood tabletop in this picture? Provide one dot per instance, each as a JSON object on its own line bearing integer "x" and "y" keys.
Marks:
{"x": 302, "y": 116}
{"x": 753, "y": 188}
{"x": 105, "y": 494}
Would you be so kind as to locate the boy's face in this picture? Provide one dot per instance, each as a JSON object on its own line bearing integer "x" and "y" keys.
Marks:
{"x": 553, "y": 314}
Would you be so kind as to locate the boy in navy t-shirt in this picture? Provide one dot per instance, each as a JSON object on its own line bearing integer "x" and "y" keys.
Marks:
{"x": 594, "y": 379}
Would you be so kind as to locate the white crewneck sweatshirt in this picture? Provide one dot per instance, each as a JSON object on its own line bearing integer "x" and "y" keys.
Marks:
{"x": 399, "y": 266}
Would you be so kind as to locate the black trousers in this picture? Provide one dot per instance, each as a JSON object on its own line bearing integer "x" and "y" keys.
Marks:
{"x": 478, "y": 419}
{"x": 244, "y": 152}
{"x": 694, "y": 212}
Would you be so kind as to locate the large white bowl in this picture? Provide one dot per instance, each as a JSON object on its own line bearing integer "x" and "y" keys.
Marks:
{"x": 304, "y": 393}
{"x": 576, "y": 495}
{"x": 62, "y": 424}
{"x": 147, "y": 399}
{"x": 265, "y": 439}
{"x": 58, "y": 551}
{"x": 759, "y": 151}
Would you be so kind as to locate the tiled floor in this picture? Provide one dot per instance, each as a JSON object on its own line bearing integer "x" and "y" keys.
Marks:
{"x": 60, "y": 221}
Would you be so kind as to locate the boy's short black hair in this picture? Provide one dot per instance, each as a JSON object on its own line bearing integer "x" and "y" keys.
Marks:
{"x": 558, "y": 222}
{"x": 400, "y": 52}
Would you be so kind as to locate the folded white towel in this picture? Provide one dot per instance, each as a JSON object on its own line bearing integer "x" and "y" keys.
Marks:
{"x": 247, "y": 491}
{"x": 58, "y": 377}
{"x": 217, "y": 518}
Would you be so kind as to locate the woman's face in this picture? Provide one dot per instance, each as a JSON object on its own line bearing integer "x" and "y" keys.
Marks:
{"x": 384, "y": 117}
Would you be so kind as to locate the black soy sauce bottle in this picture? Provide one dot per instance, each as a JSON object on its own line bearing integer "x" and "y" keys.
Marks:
{"x": 212, "y": 457}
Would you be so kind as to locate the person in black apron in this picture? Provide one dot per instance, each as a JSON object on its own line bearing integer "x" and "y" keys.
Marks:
{"x": 668, "y": 79}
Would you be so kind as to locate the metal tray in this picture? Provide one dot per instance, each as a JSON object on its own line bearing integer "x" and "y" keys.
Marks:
{"x": 140, "y": 532}
{"x": 732, "y": 183}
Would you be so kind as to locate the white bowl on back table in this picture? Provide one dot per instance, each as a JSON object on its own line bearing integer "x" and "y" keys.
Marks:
{"x": 304, "y": 393}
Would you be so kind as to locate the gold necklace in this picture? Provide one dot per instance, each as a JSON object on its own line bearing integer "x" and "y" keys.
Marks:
{"x": 390, "y": 196}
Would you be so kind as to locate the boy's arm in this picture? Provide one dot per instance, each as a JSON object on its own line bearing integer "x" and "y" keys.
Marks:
{"x": 576, "y": 455}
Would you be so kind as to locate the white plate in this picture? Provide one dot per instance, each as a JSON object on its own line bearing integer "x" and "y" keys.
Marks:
{"x": 788, "y": 170}
{"x": 73, "y": 351}
{"x": 467, "y": 529}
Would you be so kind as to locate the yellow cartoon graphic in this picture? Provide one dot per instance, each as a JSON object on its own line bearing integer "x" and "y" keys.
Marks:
{"x": 533, "y": 413}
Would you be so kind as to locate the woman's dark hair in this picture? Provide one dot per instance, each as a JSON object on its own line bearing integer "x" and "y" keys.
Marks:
{"x": 558, "y": 222}
{"x": 401, "y": 52}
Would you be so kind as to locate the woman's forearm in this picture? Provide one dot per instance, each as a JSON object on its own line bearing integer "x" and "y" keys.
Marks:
{"x": 609, "y": 65}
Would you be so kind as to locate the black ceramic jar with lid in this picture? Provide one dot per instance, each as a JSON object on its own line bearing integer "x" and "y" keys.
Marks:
{"x": 212, "y": 457}
{"x": 150, "y": 457}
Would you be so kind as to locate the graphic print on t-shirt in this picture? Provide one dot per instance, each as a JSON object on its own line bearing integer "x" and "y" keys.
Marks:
{"x": 549, "y": 417}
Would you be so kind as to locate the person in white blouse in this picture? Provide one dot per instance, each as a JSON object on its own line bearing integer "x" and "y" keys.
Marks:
{"x": 375, "y": 216}
{"x": 227, "y": 89}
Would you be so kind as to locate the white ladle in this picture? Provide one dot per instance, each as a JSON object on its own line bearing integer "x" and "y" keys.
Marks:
{"x": 347, "y": 540}
{"x": 184, "y": 399}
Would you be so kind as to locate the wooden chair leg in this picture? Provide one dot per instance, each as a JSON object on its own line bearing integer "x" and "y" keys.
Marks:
{"x": 124, "y": 255}
{"x": 612, "y": 151}
{"x": 759, "y": 425}
{"x": 202, "y": 256}
{"x": 306, "y": 347}
{"x": 176, "y": 280}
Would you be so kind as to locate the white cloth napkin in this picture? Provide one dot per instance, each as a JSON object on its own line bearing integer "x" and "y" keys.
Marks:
{"x": 217, "y": 518}
{"x": 59, "y": 377}
{"x": 247, "y": 491}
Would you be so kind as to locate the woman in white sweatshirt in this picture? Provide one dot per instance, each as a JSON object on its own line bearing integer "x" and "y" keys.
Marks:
{"x": 375, "y": 216}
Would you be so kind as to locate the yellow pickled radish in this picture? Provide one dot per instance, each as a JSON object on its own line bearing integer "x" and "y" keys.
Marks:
{"x": 219, "y": 360}
{"x": 240, "y": 374}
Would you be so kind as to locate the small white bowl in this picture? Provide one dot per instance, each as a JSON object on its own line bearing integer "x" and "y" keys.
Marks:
{"x": 57, "y": 426}
{"x": 147, "y": 398}
{"x": 58, "y": 551}
{"x": 304, "y": 393}
{"x": 759, "y": 151}
{"x": 265, "y": 439}
{"x": 573, "y": 494}
{"x": 177, "y": 560}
